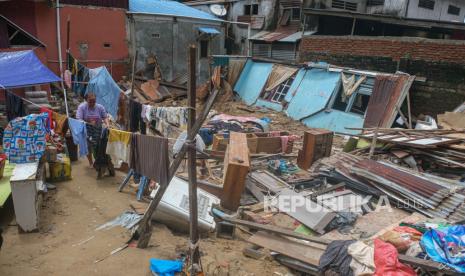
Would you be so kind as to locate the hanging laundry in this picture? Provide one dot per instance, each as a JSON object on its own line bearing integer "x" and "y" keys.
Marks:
{"x": 49, "y": 116}
{"x": 135, "y": 121}
{"x": 14, "y": 106}
{"x": 176, "y": 116}
{"x": 349, "y": 85}
{"x": 102, "y": 160}
{"x": 79, "y": 75}
{"x": 60, "y": 122}
{"x": 118, "y": 146}
{"x": 106, "y": 90}
{"x": 24, "y": 138}
{"x": 149, "y": 157}
{"x": 79, "y": 133}
{"x": 67, "y": 78}
{"x": 93, "y": 72}
{"x": 93, "y": 136}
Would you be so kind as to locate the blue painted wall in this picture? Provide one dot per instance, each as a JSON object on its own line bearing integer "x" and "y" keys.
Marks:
{"x": 270, "y": 105}
{"x": 335, "y": 120}
{"x": 252, "y": 79}
{"x": 313, "y": 93}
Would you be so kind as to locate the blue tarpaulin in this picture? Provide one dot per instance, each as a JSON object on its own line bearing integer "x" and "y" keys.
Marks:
{"x": 23, "y": 68}
{"x": 165, "y": 267}
{"x": 446, "y": 245}
{"x": 106, "y": 90}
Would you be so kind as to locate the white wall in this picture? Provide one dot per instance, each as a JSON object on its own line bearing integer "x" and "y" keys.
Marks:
{"x": 439, "y": 12}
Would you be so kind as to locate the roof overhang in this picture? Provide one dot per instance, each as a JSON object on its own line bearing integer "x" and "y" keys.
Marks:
{"x": 30, "y": 36}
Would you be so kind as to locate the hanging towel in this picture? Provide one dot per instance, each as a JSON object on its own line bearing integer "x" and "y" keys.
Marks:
{"x": 61, "y": 123}
{"x": 349, "y": 85}
{"x": 79, "y": 133}
{"x": 135, "y": 119}
{"x": 118, "y": 146}
{"x": 49, "y": 116}
{"x": 102, "y": 160}
{"x": 149, "y": 157}
{"x": 67, "y": 78}
{"x": 14, "y": 106}
{"x": 24, "y": 138}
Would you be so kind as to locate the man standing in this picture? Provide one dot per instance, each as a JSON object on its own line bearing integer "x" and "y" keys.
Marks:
{"x": 94, "y": 114}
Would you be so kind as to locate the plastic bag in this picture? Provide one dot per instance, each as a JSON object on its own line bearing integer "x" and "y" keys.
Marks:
{"x": 387, "y": 263}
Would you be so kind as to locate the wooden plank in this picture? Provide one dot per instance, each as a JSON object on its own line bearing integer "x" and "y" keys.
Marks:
{"x": 311, "y": 214}
{"x": 309, "y": 253}
{"x": 236, "y": 168}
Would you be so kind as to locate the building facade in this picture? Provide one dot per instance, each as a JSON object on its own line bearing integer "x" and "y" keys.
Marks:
{"x": 96, "y": 34}
{"x": 441, "y": 10}
{"x": 238, "y": 15}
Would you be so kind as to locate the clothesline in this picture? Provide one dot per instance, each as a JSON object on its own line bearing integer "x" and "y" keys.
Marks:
{"x": 37, "y": 105}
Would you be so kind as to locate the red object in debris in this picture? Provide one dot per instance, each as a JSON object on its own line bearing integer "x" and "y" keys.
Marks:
{"x": 387, "y": 263}
{"x": 3, "y": 158}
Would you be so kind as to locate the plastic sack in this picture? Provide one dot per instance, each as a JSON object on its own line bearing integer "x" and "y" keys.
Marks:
{"x": 165, "y": 267}
{"x": 446, "y": 245}
{"x": 402, "y": 237}
{"x": 387, "y": 263}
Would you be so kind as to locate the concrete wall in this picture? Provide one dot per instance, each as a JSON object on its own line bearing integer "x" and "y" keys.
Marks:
{"x": 91, "y": 27}
{"x": 441, "y": 62}
{"x": 392, "y": 7}
{"x": 439, "y": 12}
{"x": 168, "y": 39}
{"x": 399, "y": 8}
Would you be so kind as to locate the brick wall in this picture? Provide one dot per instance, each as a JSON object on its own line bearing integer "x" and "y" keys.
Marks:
{"x": 441, "y": 62}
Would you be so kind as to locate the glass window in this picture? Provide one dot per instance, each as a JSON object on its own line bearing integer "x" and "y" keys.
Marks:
{"x": 277, "y": 95}
{"x": 426, "y": 4}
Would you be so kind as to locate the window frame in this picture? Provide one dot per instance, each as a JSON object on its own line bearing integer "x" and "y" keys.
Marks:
{"x": 425, "y": 4}
{"x": 453, "y": 7}
{"x": 350, "y": 101}
{"x": 280, "y": 91}
{"x": 203, "y": 50}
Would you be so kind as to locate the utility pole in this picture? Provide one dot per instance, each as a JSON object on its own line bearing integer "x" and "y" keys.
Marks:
{"x": 192, "y": 166}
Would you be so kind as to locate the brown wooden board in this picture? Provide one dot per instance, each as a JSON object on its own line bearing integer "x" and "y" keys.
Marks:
{"x": 236, "y": 168}
{"x": 309, "y": 253}
{"x": 317, "y": 144}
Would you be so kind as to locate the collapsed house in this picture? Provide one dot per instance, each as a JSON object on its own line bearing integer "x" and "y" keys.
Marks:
{"x": 324, "y": 96}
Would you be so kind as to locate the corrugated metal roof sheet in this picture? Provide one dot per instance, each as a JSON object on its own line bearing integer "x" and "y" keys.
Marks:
{"x": 281, "y": 35}
{"x": 167, "y": 7}
{"x": 209, "y": 30}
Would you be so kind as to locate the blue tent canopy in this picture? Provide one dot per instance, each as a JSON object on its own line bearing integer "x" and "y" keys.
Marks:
{"x": 23, "y": 68}
{"x": 106, "y": 90}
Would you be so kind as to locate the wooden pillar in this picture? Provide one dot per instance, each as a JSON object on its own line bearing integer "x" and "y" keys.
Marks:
{"x": 191, "y": 166}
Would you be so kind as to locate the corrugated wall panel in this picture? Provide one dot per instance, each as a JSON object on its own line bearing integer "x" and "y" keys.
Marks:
{"x": 261, "y": 50}
{"x": 283, "y": 51}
